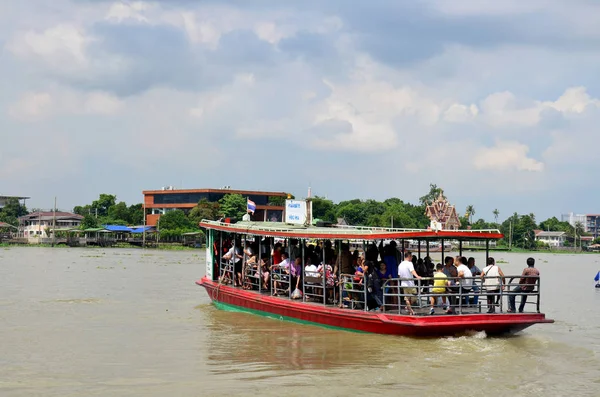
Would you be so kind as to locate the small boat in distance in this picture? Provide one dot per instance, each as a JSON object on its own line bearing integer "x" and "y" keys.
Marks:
{"x": 318, "y": 285}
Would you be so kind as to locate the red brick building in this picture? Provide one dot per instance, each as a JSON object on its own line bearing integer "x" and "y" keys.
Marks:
{"x": 158, "y": 202}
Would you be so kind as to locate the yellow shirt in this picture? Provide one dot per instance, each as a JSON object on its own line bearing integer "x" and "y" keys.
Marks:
{"x": 439, "y": 283}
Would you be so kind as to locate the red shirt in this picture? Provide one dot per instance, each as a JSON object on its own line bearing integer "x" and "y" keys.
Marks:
{"x": 277, "y": 257}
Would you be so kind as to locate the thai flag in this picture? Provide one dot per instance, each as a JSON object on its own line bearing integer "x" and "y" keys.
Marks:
{"x": 251, "y": 207}
{"x": 597, "y": 278}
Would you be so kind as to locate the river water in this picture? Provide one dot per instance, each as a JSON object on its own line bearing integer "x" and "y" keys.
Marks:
{"x": 120, "y": 322}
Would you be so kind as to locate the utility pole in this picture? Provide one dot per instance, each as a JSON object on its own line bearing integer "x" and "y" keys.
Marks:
{"x": 54, "y": 224}
{"x": 510, "y": 236}
{"x": 144, "y": 228}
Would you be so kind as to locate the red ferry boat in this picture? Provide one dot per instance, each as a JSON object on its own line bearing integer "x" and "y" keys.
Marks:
{"x": 241, "y": 252}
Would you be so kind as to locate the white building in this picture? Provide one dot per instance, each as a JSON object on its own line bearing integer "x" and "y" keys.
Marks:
{"x": 37, "y": 224}
{"x": 573, "y": 219}
{"x": 553, "y": 239}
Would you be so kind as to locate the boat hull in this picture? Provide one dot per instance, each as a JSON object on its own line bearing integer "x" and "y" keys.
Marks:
{"x": 227, "y": 297}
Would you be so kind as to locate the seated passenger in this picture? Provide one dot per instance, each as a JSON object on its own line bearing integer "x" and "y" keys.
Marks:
{"x": 440, "y": 282}
{"x": 527, "y": 283}
{"x": 296, "y": 274}
{"x": 265, "y": 271}
{"x": 281, "y": 273}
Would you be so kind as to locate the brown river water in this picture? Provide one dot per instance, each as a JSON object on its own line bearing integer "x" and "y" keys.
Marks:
{"x": 131, "y": 322}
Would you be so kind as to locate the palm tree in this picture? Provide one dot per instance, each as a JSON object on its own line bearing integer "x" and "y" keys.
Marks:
{"x": 496, "y": 213}
{"x": 470, "y": 213}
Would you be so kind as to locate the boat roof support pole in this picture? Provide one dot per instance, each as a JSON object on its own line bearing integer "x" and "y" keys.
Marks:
{"x": 365, "y": 281}
{"x": 220, "y": 256}
{"x": 289, "y": 252}
{"x": 419, "y": 250}
{"x": 260, "y": 277}
{"x": 324, "y": 276}
{"x": 427, "y": 248}
{"x": 443, "y": 251}
{"x": 303, "y": 242}
{"x": 487, "y": 251}
{"x": 460, "y": 247}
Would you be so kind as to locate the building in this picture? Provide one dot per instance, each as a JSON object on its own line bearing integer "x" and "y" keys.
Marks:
{"x": 158, "y": 202}
{"x": 37, "y": 224}
{"x": 553, "y": 239}
{"x": 442, "y": 213}
{"x": 4, "y": 200}
{"x": 573, "y": 219}
{"x": 592, "y": 224}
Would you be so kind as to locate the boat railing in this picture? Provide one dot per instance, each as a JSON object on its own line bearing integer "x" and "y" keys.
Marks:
{"x": 466, "y": 295}
{"x": 280, "y": 280}
{"x": 352, "y": 291}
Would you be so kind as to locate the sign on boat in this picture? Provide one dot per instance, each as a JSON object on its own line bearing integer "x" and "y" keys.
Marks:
{"x": 316, "y": 284}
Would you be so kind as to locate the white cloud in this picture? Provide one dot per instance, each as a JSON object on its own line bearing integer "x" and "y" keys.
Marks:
{"x": 506, "y": 156}
{"x": 34, "y": 106}
{"x": 458, "y": 113}
{"x": 62, "y": 46}
{"x": 574, "y": 100}
{"x": 121, "y": 11}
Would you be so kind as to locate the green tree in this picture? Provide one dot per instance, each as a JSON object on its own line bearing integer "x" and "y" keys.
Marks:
{"x": 89, "y": 222}
{"x": 103, "y": 204}
{"x": 323, "y": 209}
{"x": 434, "y": 192}
{"x": 276, "y": 200}
{"x": 204, "y": 210}
{"x": 496, "y": 214}
{"x": 175, "y": 220}
{"x": 233, "y": 205}
{"x": 470, "y": 212}
{"x": 136, "y": 214}
{"x": 12, "y": 210}
{"x": 118, "y": 212}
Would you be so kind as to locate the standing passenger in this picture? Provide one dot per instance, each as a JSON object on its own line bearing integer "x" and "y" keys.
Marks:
{"x": 527, "y": 283}
{"x": 493, "y": 282}
{"x": 407, "y": 271}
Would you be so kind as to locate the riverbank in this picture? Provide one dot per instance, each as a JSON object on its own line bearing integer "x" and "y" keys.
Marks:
{"x": 161, "y": 246}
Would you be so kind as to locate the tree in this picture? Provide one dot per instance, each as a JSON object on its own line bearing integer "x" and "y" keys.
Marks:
{"x": 103, "y": 204}
{"x": 204, "y": 210}
{"x": 175, "y": 220}
{"x": 433, "y": 194}
{"x": 470, "y": 213}
{"x": 323, "y": 209}
{"x": 136, "y": 214}
{"x": 233, "y": 205}
{"x": 496, "y": 214}
{"x": 11, "y": 211}
{"x": 118, "y": 212}
{"x": 89, "y": 222}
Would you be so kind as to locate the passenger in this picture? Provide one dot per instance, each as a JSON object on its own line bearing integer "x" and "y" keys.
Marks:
{"x": 374, "y": 292}
{"x": 407, "y": 271}
{"x": 372, "y": 253}
{"x": 327, "y": 270}
{"x": 355, "y": 257}
{"x": 276, "y": 254}
{"x": 296, "y": 274}
{"x": 294, "y": 250}
{"x": 527, "y": 283}
{"x": 281, "y": 273}
{"x": 265, "y": 272}
{"x": 475, "y": 271}
{"x": 466, "y": 281}
{"x": 493, "y": 281}
{"x": 343, "y": 263}
{"x": 452, "y": 274}
{"x": 234, "y": 256}
{"x": 440, "y": 282}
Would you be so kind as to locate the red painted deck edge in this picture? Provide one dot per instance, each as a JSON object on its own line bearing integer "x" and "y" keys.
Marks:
{"x": 394, "y": 324}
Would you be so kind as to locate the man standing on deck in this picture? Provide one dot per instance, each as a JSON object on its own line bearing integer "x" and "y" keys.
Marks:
{"x": 527, "y": 283}
{"x": 406, "y": 271}
{"x": 451, "y": 272}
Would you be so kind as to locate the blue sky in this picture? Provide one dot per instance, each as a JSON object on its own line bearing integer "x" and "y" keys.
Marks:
{"x": 497, "y": 102}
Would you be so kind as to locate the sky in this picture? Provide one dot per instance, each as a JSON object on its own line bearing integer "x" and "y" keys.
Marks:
{"x": 495, "y": 102}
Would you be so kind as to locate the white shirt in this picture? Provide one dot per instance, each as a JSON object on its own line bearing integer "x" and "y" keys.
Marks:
{"x": 405, "y": 269}
{"x": 491, "y": 279}
{"x": 311, "y": 271}
{"x": 467, "y": 283}
{"x": 284, "y": 264}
